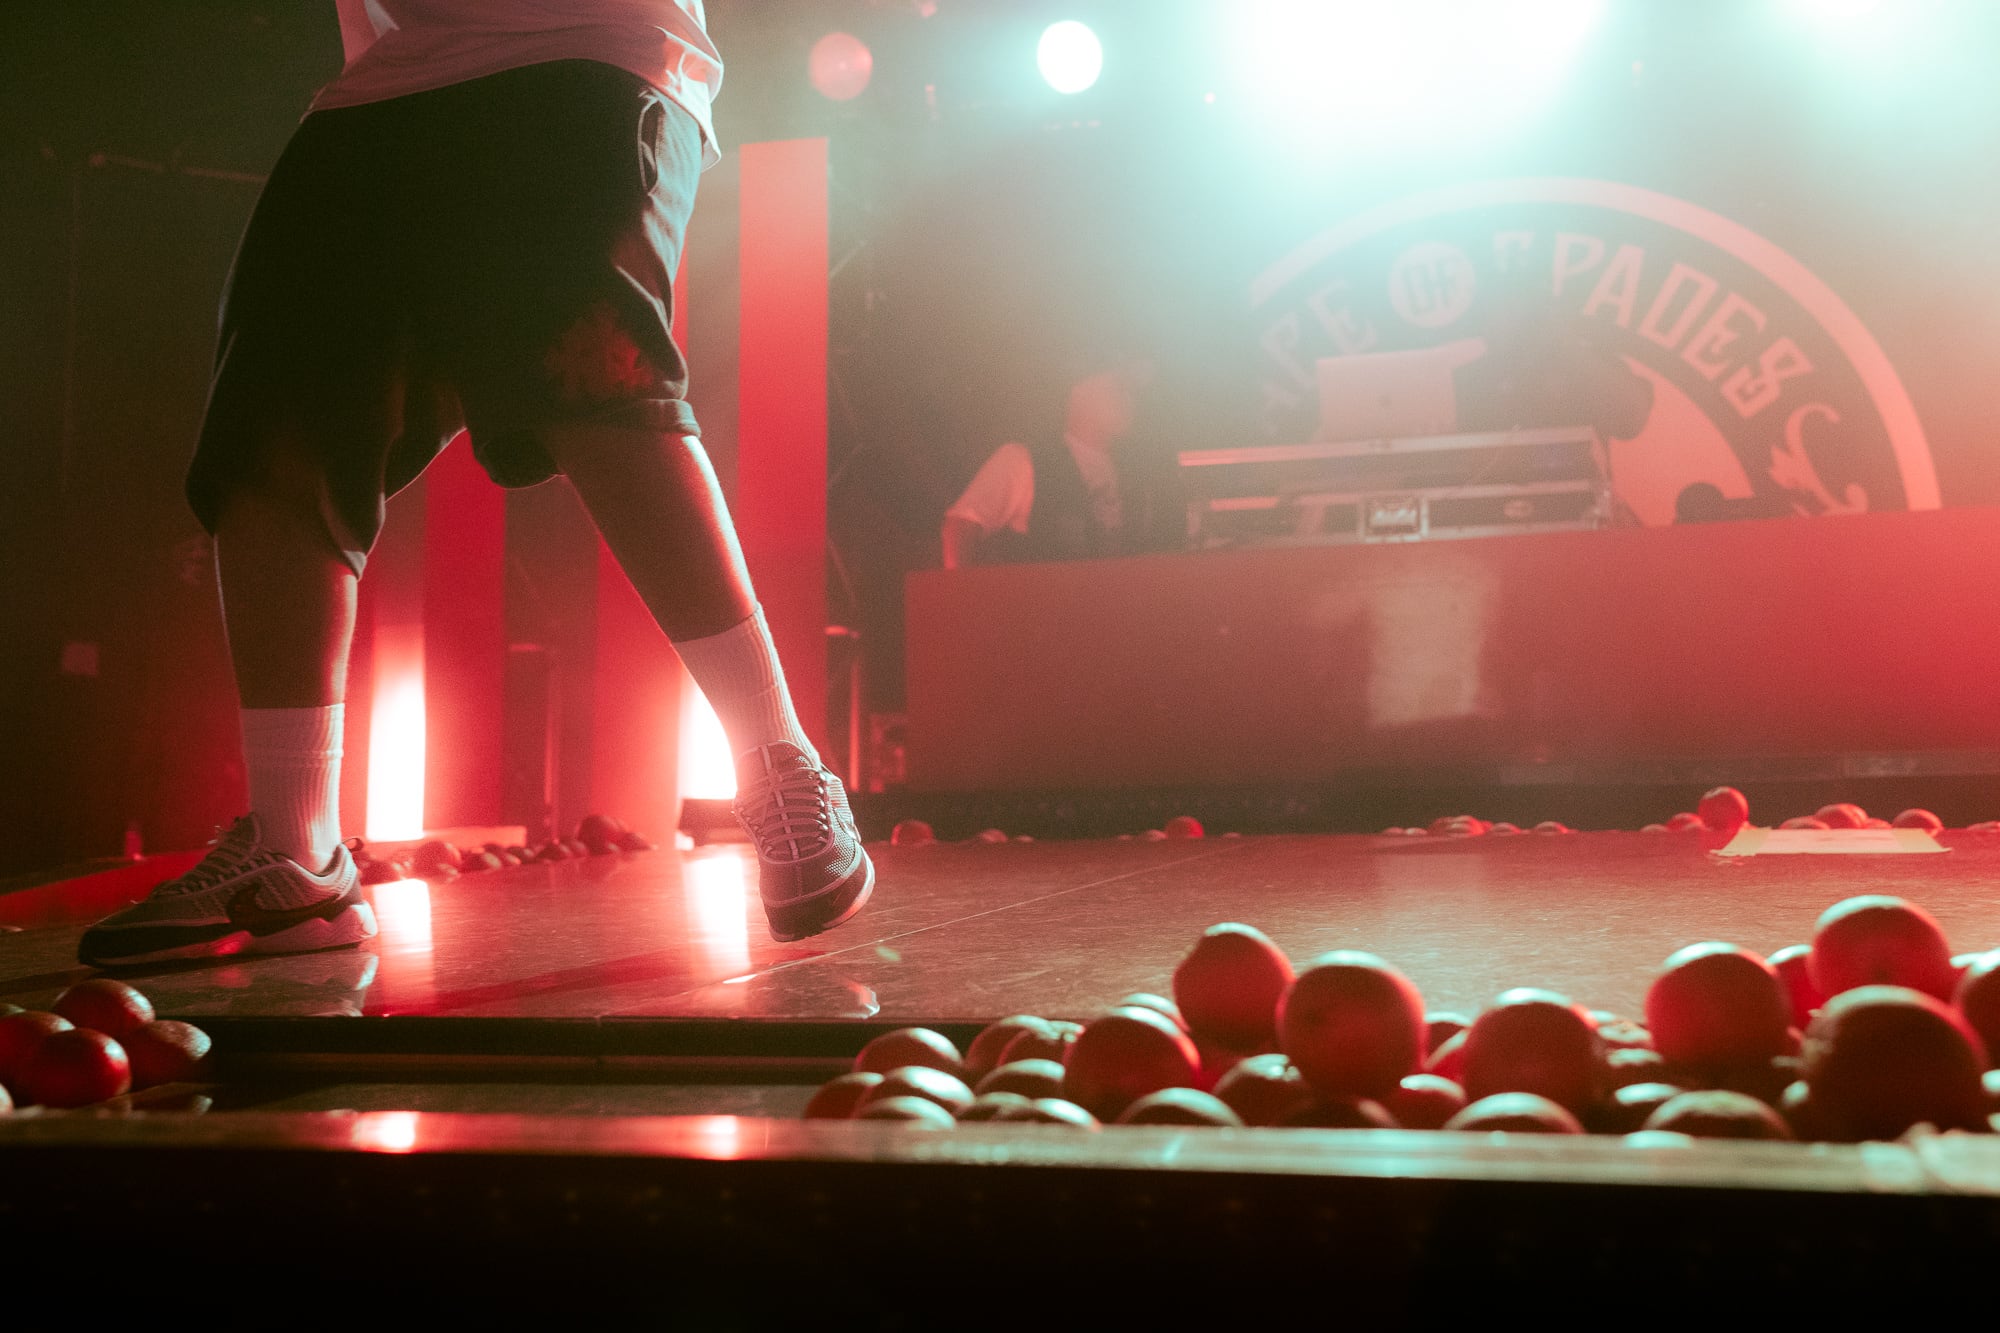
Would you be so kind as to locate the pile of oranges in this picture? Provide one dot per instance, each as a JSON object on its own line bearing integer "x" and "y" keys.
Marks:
{"x": 1868, "y": 1032}
{"x": 100, "y": 1040}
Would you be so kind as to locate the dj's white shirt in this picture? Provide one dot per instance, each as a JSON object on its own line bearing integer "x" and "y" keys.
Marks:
{"x": 1002, "y": 493}
{"x": 397, "y": 47}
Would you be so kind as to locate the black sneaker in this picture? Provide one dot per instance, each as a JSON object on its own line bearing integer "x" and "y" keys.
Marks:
{"x": 812, "y": 871}
{"x": 243, "y": 898}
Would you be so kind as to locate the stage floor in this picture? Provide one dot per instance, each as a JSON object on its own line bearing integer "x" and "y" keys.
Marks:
{"x": 970, "y": 932}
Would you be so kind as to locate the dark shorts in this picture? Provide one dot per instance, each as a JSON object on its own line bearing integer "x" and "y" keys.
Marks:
{"x": 496, "y": 256}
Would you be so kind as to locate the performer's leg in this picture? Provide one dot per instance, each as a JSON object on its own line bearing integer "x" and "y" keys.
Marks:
{"x": 288, "y": 600}
{"x": 655, "y": 499}
{"x": 278, "y": 881}
{"x": 656, "y": 503}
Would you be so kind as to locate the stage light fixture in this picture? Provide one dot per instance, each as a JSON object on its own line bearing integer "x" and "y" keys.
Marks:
{"x": 840, "y": 66}
{"x": 1069, "y": 56}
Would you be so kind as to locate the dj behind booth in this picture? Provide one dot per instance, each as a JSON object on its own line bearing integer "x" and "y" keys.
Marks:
{"x": 1502, "y": 433}
{"x": 1091, "y": 490}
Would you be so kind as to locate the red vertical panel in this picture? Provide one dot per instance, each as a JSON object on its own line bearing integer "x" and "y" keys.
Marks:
{"x": 465, "y": 640}
{"x": 358, "y": 714}
{"x": 394, "y": 600}
{"x": 781, "y": 403}
{"x": 635, "y": 724}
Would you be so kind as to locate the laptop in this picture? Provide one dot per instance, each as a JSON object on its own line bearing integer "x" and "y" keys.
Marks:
{"x": 1391, "y": 395}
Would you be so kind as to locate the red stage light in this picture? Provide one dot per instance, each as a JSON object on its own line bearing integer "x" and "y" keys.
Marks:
{"x": 841, "y": 65}
{"x": 396, "y": 737}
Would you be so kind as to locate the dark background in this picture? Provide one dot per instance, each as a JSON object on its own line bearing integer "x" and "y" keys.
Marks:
{"x": 990, "y": 241}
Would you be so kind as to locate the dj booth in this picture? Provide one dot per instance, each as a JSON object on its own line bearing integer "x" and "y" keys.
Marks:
{"x": 1398, "y": 489}
{"x": 1875, "y": 637}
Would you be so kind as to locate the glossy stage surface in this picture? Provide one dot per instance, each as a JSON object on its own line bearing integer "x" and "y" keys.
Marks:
{"x": 972, "y": 932}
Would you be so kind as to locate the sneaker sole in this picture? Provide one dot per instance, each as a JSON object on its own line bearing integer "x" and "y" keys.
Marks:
{"x": 845, "y": 915}
{"x": 351, "y": 927}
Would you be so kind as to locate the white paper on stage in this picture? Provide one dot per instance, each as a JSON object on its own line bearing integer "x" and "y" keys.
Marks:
{"x": 1830, "y": 842}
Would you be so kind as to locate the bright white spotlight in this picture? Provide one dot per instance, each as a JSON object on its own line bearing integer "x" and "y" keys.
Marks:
{"x": 1070, "y": 56}
{"x": 1838, "y": 11}
{"x": 1357, "y": 74}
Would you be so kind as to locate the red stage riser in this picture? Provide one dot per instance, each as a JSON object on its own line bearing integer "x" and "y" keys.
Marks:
{"x": 1830, "y": 636}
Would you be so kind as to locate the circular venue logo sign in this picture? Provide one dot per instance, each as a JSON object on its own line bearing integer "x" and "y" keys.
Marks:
{"x": 1765, "y": 387}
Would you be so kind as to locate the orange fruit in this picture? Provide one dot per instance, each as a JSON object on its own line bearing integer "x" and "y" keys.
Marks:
{"x": 1179, "y": 1106}
{"x": 982, "y": 1057}
{"x": 911, "y": 833}
{"x": 1922, "y": 819}
{"x": 1876, "y": 940}
{"x": 910, "y": 1046}
{"x": 1538, "y": 1042}
{"x": 1229, "y": 985}
{"x": 1448, "y": 1060}
{"x": 1353, "y": 1025}
{"x": 20, "y": 1034}
{"x": 993, "y": 1106}
{"x": 104, "y": 1005}
{"x": 1716, "y": 1004}
{"x": 916, "y": 1112}
{"x": 1159, "y": 1004}
{"x": 1050, "y": 1111}
{"x": 837, "y": 1098}
{"x": 74, "y": 1068}
{"x": 1793, "y": 964}
{"x": 947, "y": 1090}
{"x": 1263, "y": 1089}
{"x": 1440, "y": 1026}
{"x": 1425, "y": 1101}
{"x": 1718, "y": 1114}
{"x": 1124, "y": 1055}
{"x": 1516, "y": 1112}
{"x": 1880, "y": 1059}
{"x": 1183, "y": 826}
{"x": 164, "y": 1051}
{"x": 1842, "y": 814}
{"x": 1626, "y": 1109}
{"x": 1724, "y": 809}
{"x": 1978, "y": 998}
{"x": 1030, "y": 1078}
{"x": 1340, "y": 1113}
{"x": 1032, "y": 1044}
{"x": 1633, "y": 1064}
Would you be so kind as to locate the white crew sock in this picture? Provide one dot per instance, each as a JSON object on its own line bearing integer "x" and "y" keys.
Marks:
{"x": 738, "y": 670}
{"x": 293, "y": 759}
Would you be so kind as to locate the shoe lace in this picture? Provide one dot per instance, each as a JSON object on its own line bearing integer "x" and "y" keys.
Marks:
{"x": 233, "y": 851}
{"x": 788, "y": 813}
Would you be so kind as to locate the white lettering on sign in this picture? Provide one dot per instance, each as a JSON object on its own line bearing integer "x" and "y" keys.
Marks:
{"x": 1679, "y": 276}
{"x": 1349, "y": 334}
{"x": 1575, "y": 255}
{"x": 1281, "y": 340}
{"x": 1617, "y": 287}
{"x": 1716, "y": 335}
{"x": 1750, "y": 392}
{"x": 1432, "y": 284}
{"x": 1510, "y": 249}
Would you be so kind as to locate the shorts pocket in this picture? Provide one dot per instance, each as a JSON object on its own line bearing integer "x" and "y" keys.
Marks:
{"x": 652, "y": 140}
